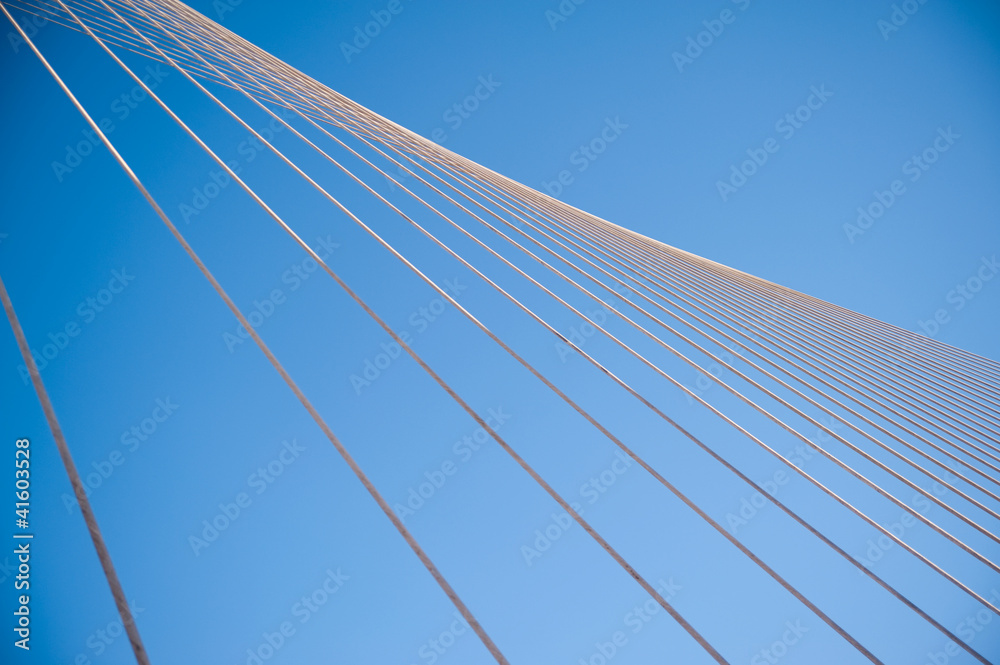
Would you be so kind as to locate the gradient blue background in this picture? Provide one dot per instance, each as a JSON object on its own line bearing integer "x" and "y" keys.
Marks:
{"x": 163, "y": 336}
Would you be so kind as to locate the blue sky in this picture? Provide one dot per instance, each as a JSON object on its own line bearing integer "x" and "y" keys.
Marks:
{"x": 184, "y": 421}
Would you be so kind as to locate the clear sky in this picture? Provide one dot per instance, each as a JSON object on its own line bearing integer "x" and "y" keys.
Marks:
{"x": 179, "y": 419}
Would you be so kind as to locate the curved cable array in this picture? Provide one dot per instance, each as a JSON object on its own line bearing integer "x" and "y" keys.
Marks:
{"x": 914, "y": 410}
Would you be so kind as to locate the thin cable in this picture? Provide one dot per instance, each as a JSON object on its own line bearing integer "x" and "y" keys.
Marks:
{"x": 103, "y": 555}
{"x": 881, "y": 415}
{"x": 861, "y": 514}
{"x": 541, "y": 482}
{"x": 386, "y": 508}
{"x": 642, "y": 462}
{"x": 613, "y": 254}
